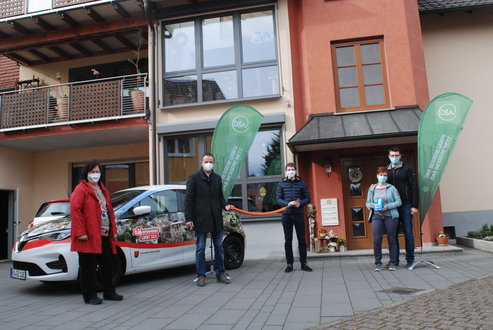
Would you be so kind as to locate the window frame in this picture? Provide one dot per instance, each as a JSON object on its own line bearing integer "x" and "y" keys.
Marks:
{"x": 191, "y": 145}
{"x": 359, "y": 71}
{"x": 238, "y": 66}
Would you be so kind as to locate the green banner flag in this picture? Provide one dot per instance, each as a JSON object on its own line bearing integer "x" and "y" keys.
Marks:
{"x": 231, "y": 141}
{"x": 439, "y": 129}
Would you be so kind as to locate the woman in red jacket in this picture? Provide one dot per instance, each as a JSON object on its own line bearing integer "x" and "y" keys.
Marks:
{"x": 93, "y": 234}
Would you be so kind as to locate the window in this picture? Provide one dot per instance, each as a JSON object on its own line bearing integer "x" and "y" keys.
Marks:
{"x": 162, "y": 202}
{"x": 360, "y": 77}
{"x": 118, "y": 176}
{"x": 181, "y": 147}
{"x": 229, "y": 57}
{"x": 255, "y": 188}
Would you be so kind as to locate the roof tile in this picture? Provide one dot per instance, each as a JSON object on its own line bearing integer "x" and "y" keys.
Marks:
{"x": 442, "y": 5}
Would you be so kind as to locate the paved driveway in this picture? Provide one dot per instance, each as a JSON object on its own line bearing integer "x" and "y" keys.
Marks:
{"x": 261, "y": 295}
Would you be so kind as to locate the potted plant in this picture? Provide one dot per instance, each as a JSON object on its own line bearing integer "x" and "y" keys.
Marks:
{"x": 62, "y": 103}
{"x": 341, "y": 241}
{"x": 138, "y": 99}
{"x": 332, "y": 246}
{"x": 137, "y": 94}
{"x": 322, "y": 233}
{"x": 442, "y": 238}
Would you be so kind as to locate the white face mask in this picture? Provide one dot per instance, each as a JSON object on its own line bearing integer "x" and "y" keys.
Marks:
{"x": 290, "y": 174}
{"x": 208, "y": 166}
{"x": 93, "y": 177}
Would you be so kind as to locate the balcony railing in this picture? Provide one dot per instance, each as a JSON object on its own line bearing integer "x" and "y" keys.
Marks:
{"x": 11, "y": 8}
{"x": 87, "y": 101}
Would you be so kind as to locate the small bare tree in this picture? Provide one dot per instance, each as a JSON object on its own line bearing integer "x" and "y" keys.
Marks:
{"x": 136, "y": 51}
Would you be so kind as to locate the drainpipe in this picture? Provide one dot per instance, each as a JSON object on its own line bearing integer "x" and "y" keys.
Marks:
{"x": 152, "y": 84}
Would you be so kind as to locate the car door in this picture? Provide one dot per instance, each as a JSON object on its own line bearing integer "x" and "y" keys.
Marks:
{"x": 157, "y": 236}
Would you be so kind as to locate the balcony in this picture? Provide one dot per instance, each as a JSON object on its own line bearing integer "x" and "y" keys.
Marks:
{"x": 74, "y": 103}
{"x": 10, "y": 8}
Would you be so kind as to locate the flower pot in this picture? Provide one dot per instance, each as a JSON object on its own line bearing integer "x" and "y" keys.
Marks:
{"x": 442, "y": 241}
{"x": 62, "y": 104}
{"x": 342, "y": 248}
{"x": 332, "y": 249}
{"x": 138, "y": 100}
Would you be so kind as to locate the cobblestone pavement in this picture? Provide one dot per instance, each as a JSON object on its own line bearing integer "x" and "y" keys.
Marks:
{"x": 467, "y": 305}
{"x": 262, "y": 296}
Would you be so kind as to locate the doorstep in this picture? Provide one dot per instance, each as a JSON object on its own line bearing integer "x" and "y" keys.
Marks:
{"x": 435, "y": 249}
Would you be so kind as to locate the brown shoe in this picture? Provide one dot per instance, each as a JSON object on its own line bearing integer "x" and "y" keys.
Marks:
{"x": 201, "y": 281}
{"x": 222, "y": 279}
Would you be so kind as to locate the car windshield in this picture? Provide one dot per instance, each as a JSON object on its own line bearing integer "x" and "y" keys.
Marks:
{"x": 120, "y": 198}
{"x": 50, "y": 226}
{"x": 51, "y": 209}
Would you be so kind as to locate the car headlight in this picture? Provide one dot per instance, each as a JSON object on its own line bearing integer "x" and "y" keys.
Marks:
{"x": 56, "y": 236}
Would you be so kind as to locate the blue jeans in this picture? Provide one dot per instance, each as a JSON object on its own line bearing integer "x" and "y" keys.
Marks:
{"x": 378, "y": 224}
{"x": 298, "y": 221}
{"x": 217, "y": 239}
{"x": 406, "y": 221}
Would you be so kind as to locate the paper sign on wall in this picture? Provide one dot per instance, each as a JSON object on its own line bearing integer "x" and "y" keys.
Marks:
{"x": 330, "y": 214}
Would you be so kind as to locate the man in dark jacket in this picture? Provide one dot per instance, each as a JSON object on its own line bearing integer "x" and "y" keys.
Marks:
{"x": 291, "y": 191}
{"x": 204, "y": 202}
{"x": 403, "y": 178}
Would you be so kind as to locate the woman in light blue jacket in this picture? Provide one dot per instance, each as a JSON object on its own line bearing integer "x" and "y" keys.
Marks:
{"x": 383, "y": 199}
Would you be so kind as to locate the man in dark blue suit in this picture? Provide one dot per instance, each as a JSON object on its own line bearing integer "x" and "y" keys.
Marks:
{"x": 292, "y": 191}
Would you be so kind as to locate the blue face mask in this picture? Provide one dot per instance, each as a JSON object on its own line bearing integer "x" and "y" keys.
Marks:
{"x": 382, "y": 178}
{"x": 395, "y": 160}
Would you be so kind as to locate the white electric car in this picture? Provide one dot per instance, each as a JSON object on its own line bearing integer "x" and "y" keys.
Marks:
{"x": 152, "y": 234}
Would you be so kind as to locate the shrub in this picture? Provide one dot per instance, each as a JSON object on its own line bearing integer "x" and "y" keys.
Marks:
{"x": 489, "y": 238}
{"x": 486, "y": 230}
{"x": 474, "y": 234}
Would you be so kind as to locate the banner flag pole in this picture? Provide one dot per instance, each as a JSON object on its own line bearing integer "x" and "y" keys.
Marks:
{"x": 439, "y": 128}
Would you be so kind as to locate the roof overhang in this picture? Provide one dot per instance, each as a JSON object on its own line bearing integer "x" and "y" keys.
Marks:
{"x": 209, "y": 125}
{"x": 441, "y": 6}
{"x": 357, "y": 129}
{"x": 72, "y": 31}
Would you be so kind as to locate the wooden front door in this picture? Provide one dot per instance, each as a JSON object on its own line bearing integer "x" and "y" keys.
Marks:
{"x": 359, "y": 172}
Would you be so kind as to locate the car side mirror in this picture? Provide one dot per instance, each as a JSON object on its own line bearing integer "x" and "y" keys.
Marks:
{"x": 141, "y": 210}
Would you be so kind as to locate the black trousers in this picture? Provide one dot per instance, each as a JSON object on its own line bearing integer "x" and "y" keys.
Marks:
{"x": 88, "y": 267}
{"x": 298, "y": 221}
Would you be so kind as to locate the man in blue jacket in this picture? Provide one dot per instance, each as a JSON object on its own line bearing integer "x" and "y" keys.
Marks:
{"x": 292, "y": 192}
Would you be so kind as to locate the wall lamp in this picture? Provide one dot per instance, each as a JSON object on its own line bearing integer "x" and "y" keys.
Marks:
{"x": 328, "y": 166}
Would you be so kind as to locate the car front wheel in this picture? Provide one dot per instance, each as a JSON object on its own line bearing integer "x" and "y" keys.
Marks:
{"x": 234, "y": 252}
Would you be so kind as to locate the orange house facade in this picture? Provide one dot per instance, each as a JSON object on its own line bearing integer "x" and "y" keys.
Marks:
{"x": 360, "y": 85}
